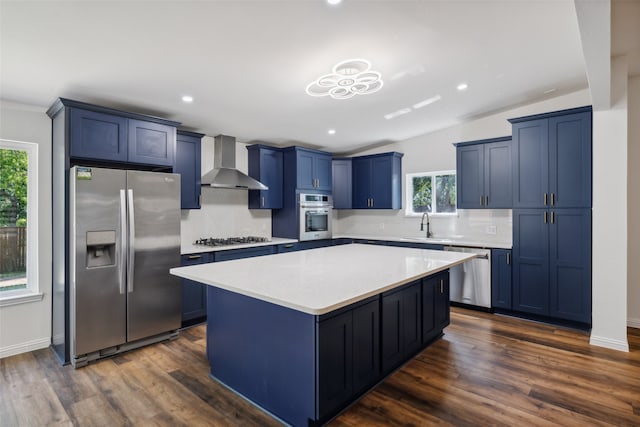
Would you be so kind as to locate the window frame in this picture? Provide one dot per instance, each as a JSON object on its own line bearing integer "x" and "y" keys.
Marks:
{"x": 32, "y": 291}
{"x": 408, "y": 212}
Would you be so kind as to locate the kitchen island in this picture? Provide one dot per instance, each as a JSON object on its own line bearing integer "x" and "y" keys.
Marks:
{"x": 304, "y": 334}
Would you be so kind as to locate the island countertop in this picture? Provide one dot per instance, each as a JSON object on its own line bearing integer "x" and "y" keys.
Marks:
{"x": 321, "y": 280}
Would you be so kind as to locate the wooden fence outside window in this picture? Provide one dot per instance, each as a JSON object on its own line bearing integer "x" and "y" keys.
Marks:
{"x": 13, "y": 250}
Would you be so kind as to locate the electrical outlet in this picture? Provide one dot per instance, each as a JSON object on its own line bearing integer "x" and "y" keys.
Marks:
{"x": 382, "y": 226}
{"x": 491, "y": 229}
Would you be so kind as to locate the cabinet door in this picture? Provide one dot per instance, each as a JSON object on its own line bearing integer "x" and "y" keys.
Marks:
{"x": 271, "y": 176}
{"x": 570, "y": 264}
{"x": 380, "y": 182}
{"x": 361, "y": 183}
{"x": 366, "y": 345}
{"x": 470, "y": 176}
{"x": 497, "y": 175}
{"x": 530, "y": 166}
{"x": 570, "y": 161}
{"x": 194, "y": 294}
{"x": 411, "y": 319}
{"x": 391, "y": 333}
{"x": 322, "y": 172}
{"x": 151, "y": 143}
{"x": 501, "y": 278}
{"x": 341, "y": 190}
{"x": 335, "y": 362}
{"x": 429, "y": 286}
{"x": 443, "y": 315}
{"x": 531, "y": 261}
{"x": 98, "y": 136}
{"x": 188, "y": 166}
{"x": 305, "y": 172}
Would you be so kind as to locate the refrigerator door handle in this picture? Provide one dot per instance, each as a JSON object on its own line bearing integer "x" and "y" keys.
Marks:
{"x": 122, "y": 255}
{"x": 131, "y": 246}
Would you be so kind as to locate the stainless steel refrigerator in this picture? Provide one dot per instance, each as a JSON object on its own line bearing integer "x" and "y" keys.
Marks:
{"x": 124, "y": 237}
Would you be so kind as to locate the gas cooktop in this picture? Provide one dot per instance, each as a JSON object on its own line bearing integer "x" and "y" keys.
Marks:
{"x": 228, "y": 241}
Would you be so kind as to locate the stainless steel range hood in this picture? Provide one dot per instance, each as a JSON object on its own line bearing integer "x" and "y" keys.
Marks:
{"x": 224, "y": 173}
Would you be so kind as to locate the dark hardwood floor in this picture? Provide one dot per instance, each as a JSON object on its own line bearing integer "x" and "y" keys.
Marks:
{"x": 486, "y": 370}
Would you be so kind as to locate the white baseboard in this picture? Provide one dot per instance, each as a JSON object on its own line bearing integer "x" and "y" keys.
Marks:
{"x": 633, "y": 323}
{"x": 609, "y": 343}
{"x": 24, "y": 347}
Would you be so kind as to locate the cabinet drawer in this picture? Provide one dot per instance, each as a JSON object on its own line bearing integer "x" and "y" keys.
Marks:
{"x": 243, "y": 253}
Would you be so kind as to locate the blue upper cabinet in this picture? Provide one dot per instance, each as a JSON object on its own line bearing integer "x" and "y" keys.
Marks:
{"x": 106, "y": 135}
{"x": 342, "y": 183}
{"x": 551, "y": 159}
{"x": 98, "y": 136}
{"x": 265, "y": 165}
{"x": 151, "y": 143}
{"x": 187, "y": 164}
{"x": 377, "y": 181}
{"x": 313, "y": 170}
{"x": 483, "y": 174}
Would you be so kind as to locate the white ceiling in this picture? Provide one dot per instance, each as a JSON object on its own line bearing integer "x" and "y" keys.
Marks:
{"x": 247, "y": 63}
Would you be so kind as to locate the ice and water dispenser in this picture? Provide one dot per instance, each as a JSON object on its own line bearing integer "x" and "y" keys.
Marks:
{"x": 101, "y": 248}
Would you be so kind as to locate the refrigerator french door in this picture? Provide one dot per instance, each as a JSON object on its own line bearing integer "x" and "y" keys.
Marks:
{"x": 125, "y": 236}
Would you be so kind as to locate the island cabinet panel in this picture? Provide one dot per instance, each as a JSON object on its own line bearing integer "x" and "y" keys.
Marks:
{"x": 265, "y": 165}
{"x": 401, "y": 325}
{"x": 366, "y": 345}
{"x": 501, "y": 278}
{"x": 187, "y": 164}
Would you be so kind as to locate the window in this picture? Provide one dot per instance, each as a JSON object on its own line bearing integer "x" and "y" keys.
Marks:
{"x": 432, "y": 192}
{"x": 18, "y": 220}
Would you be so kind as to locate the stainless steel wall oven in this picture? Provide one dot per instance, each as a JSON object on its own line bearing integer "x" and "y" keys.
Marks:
{"x": 315, "y": 216}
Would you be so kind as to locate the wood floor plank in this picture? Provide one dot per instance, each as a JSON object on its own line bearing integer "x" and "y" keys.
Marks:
{"x": 486, "y": 370}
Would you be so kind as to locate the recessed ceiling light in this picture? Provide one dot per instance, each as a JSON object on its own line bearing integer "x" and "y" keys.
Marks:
{"x": 334, "y": 2}
{"x": 348, "y": 78}
{"x": 331, "y": 131}
{"x": 462, "y": 86}
{"x": 427, "y": 102}
{"x": 187, "y": 98}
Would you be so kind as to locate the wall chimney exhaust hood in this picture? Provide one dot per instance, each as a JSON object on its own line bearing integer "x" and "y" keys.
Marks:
{"x": 224, "y": 173}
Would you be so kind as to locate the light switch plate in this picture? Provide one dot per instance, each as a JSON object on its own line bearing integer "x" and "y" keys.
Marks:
{"x": 491, "y": 229}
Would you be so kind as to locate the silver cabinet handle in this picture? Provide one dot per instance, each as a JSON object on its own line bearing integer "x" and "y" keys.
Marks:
{"x": 508, "y": 258}
{"x": 441, "y": 286}
{"x": 194, "y": 256}
{"x": 545, "y": 217}
{"x": 553, "y": 199}
{"x": 545, "y": 199}
{"x": 131, "y": 246}
{"x": 372, "y": 202}
{"x": 290, "y": 245}
{"x": 481, "y": 200}
{"x": 553, "y": 217}
{"x": 262, "y": 201}
{"x": 486, "y": 200}
{"x": 122, "y": 255}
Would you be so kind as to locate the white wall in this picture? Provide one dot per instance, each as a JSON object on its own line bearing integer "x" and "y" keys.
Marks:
{"x": 633, "y": 207}
{"x": 27, "y": 326}
{"x": 610, "y": 215}
{"x": 434, "y": 152}
{"x": 223, "y": 212}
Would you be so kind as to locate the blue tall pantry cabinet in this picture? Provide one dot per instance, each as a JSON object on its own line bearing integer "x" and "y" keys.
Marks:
{"x": 552, "y": 184}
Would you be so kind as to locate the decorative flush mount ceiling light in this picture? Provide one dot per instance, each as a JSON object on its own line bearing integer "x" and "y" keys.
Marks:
{"x": 349, "y": 78}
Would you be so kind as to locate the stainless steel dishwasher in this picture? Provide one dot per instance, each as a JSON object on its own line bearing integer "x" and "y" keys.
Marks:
{"x": 470, "y": 283}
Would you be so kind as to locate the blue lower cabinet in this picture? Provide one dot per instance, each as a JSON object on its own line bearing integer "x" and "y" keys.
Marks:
{"x": 442, "y": 312}
{"x": 416, "y": 245}
{"x": 341, "y": 241}
{"x": 232, "y": 254}
{"x": 401, "y": 325}
{"x": 194, "y": 294}
{"x": 370, "y": 242}
{"x": 501, "y": 279}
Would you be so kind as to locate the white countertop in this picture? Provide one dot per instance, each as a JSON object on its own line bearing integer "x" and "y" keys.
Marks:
{"x": 447, "y": 241}
{"x": 198, "y": 249}
{"x": 318, "y": 281}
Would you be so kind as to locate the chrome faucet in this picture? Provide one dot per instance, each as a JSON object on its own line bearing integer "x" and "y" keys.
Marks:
{"x": 422, "y": 223}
